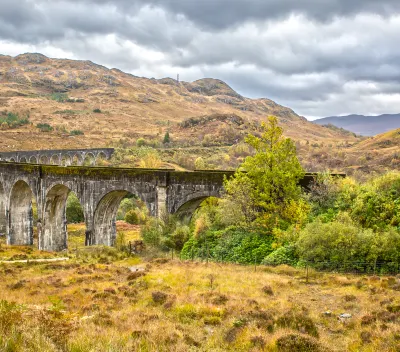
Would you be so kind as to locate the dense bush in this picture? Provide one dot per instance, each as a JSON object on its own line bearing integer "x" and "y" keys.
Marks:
{"x": 283, "y": 255}
{"x": 44, "y": 127}
{"x": 59, "y": 97}
{"x": 377, "y": 205}
{"x": 233, "y": 244}
{"x": 76, "y": 133}
{"x": 141, "y": 142}
{"x": 131, "y": 217}
{"x": 342, "y": 243}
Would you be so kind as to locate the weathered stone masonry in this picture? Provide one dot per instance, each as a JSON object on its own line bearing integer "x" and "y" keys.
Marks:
{"x": 65, "y": 157}
{"x": 99, "y": 190}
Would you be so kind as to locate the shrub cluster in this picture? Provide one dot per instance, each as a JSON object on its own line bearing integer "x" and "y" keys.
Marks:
{"x": 44, "y": 127}
{"x": 12, "y": 120}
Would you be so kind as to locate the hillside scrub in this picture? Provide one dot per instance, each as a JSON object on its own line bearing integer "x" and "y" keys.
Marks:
{"x": 12, "y": 120}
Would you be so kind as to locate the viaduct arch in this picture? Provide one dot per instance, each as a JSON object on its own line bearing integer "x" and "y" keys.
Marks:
{"x": 64, "y": 157}
{"x": 99, "y": 190}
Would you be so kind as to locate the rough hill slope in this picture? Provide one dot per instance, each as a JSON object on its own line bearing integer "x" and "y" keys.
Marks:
{"x": 110, "y": 106}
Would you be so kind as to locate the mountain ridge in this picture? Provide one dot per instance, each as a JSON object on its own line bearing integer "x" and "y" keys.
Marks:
{"x": 363, "y": 124}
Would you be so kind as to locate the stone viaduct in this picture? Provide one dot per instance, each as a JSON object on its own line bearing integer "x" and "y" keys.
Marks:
{"x": 87, "y": 157}
{"x": 100, "y": 191}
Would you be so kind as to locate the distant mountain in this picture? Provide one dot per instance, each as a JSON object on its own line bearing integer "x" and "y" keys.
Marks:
{"x": 363, "y": 125}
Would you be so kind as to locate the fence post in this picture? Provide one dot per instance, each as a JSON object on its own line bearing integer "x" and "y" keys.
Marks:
{"x": 307, "y": 273}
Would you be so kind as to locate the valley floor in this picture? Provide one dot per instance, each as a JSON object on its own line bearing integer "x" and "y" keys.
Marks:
{"x": 102, "y": 299}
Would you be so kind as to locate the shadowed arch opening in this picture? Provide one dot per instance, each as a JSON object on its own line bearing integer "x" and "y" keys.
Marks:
{"x": 76, "y": 160}
{"x": 101, "y": 159}
{"x": 11, "y": 160}
{"x": 43, "y": 159}
{"x": 66, "y": 160}
{"x": 23, "y": 160}
{"x": 186, "y": 210}
{"x": 187, "y": 207}
{"x": 54, "y": 234}
{"x": 21, "y": 215}
{"x": 113, "y": 203}
{"x": 33, "y": 160}
{"x": 3, "y": 218}
{"x": 89, "y": 160}
{"x": 55, "y": 160}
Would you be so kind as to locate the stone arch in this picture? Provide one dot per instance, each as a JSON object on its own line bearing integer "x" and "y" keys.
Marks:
{"x": 54, "y": 235}
{"x": 188, "y": 205}
{"x": 55, "y": 159}
{"x": 21, "y": 214}
{"x": 33, "y": 160}
{"x": 11, "y": 160}
{"x": 43, "y": 159}
{"x": 104, "y": 226}
{"x": 66, "y": 160}
{"x": 76, "y": 159}
{"x": 100, "y": 158}
{"x": 23, "y": 160}
{"x": 89, "y": 159}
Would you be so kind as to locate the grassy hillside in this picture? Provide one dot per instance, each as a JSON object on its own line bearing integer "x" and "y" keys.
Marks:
{"x": 52, "y": 103}
{"x": 109, "y": 106}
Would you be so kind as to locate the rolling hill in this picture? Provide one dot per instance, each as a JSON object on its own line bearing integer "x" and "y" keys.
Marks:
{"x": 363, "y": 125}
{"x": 58, "y": 99}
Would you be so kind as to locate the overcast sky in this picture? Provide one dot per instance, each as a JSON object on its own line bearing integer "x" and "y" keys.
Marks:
{"x": 319, "y": 57}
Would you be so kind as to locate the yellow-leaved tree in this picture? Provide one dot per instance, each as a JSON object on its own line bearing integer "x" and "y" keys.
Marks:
{"x": 266, "y": 186}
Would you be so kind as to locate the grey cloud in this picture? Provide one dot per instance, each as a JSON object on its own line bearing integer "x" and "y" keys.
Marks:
{"x": 319, "y": 57}
{"x": 226, "y": 13}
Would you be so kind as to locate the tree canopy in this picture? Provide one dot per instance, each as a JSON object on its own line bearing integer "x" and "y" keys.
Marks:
{"x": 267, "y": 181}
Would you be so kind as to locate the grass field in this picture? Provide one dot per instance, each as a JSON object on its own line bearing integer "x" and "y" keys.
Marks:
{"x": 103, "y": 299}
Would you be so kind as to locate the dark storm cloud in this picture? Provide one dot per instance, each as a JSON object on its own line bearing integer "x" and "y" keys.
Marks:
{"x": 320, "y": 57}
{"x": 225, "y": 13}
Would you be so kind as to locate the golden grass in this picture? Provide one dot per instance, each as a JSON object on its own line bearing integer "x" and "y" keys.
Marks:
{"x": 188, "y": 306}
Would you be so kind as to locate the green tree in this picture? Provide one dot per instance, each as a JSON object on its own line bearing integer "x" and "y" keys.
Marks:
{"x": 268, "y": 180}
{"x": 166, "y": 138}
{"x": 131, "y": 217}
{"x": 74, "y": 210}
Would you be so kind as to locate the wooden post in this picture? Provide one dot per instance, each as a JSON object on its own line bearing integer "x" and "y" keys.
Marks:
{"x": 307, "y": 273}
